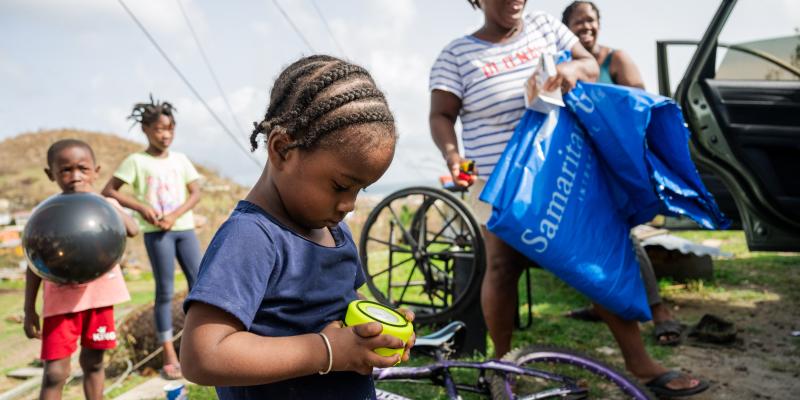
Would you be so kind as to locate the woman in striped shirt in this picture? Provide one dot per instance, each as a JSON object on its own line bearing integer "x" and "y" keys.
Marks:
{"x": 480, "y": 78}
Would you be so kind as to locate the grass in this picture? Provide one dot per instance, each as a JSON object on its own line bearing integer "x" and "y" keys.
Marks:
{"x": 201, "y": 392}
{"x": 132, "y": 381}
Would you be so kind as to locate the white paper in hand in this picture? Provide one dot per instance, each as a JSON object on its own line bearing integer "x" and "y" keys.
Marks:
{"x": 543, "y": 101}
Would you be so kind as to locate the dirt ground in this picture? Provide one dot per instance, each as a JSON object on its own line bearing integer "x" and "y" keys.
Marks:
{"x": 764, "y": 363}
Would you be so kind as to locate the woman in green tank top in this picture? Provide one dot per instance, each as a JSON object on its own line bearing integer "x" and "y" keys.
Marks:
{"x": 616, "y": 66}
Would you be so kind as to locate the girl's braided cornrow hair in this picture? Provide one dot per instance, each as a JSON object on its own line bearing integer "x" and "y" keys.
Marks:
{"x": 148, "y": 113}
{"x": 299, "y": 103}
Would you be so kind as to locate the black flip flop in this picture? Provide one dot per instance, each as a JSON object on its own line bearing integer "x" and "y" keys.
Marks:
{"x": 713, "y": 329}
{"x": 668, "y": 328}
{"x": 659, "y": 386}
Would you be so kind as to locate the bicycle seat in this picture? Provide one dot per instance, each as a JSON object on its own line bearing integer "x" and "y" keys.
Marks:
{"x": 440, "y": 337}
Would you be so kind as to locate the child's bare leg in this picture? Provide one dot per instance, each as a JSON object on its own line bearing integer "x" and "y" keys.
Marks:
{"x": 55, "y": 375}
{"x": 94, "y": 375}
{"x": 171, "y": 363}
{"x": 170, "y": 356}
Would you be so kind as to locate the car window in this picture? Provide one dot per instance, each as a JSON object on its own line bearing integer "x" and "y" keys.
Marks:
{"x": 767, "y": 34}
{"x": 740, "y": 64}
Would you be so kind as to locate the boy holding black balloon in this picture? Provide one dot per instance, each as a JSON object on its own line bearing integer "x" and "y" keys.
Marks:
{"x": 75, "y": 311}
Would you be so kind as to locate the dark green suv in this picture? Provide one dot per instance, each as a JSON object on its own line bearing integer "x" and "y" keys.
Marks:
{"x": 742, "y": 103}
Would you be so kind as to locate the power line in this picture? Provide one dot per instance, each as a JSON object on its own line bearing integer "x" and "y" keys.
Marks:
{"x": 296, "y": 29}
{"x": 210, "y": 69}
{"x": 328, "y": 28}
{"x": 186, "y": 81}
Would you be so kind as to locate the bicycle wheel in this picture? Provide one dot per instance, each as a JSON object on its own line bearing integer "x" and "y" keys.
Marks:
{"x": 422, "y": 249}
{"x": 593, "y": 378}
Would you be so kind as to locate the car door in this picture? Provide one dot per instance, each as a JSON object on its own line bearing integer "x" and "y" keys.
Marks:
{"x": 742, "y": 103}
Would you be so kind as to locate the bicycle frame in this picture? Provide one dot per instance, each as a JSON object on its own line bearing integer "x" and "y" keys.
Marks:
{"x": 439, "y": 373}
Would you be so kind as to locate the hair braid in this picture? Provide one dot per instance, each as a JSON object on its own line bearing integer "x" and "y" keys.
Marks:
{"x": 282, "y": 90}
{"x": 283, "y": 87}
{"x": 322, "y": 108}
{"x": 363, "y": 117}
{"x": 148, "y": 113}
{"x": 330, "y": 76}
{"x": 302, "y": 106}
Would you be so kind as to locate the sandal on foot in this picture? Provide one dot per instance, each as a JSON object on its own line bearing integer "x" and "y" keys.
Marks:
{"x": 584, "y": 314}
{"x": 171, "y": 372}
{"x": 659, "y": 386}
{"x": 668, "y": 333}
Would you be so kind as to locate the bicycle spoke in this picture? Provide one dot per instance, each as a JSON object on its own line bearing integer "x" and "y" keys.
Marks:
{"x": 447, "y": 225}
{"x": 390, "y": 267}
{"x": 429, "y": 292}
{"x": 392, "y": 246}
{"x": 406, "y": 235}
{"x": 412, "y": 284}
{"x": 451, "y": 253}
{"x": 405, "y": 288}
{"x": 441, "y": 213}
{"x": 391, "y": 261}
{"x": 420, "y": 305}
{"x": 442, "y": 297}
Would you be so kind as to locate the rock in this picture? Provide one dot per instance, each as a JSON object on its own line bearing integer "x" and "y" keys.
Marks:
{"x": 606, "y": 351}
{"x": 15, "y": 318}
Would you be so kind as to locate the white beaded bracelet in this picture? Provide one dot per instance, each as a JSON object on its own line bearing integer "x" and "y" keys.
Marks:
{"x": 330, "y": 353}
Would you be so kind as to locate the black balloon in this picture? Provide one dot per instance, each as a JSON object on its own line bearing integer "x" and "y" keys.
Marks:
{"x": 74, "y": 238}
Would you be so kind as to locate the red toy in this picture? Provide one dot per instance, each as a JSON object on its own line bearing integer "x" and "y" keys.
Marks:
{"x": 467, "y": 171}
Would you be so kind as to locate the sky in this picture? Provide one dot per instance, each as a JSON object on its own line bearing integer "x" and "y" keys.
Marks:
{"x": 83, "y": 63}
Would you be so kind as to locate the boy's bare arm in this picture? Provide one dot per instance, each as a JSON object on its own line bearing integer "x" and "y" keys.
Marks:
{"x": 31, "y": 323}
{"x": 216, "y": 350}
{"x": 131, "y": 226}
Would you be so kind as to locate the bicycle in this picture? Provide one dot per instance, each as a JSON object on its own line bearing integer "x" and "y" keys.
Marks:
{"x": 422, "y": 249}
{"x": 529, "y": 373}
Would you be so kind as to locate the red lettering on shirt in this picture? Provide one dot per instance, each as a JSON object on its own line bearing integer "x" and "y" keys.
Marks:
{"x": 490, "y": 69}
{"x": 509, "y": 62}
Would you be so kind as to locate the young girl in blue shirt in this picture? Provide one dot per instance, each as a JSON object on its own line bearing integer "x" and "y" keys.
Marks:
{"x": 264, "y": 317}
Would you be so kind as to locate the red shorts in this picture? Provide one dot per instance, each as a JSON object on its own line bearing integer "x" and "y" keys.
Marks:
{"x": 95, "y": 328}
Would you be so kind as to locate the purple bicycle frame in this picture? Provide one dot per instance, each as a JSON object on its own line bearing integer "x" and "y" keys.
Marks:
{"x": 441, "y": 367}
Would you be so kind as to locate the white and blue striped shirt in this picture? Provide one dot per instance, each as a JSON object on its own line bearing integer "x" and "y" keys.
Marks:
{"x": 490, "y": 78}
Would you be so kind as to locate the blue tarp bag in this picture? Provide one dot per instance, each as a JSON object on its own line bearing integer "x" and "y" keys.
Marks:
{"x": 551, "y": 202}
{"x": 643, "y": 139}
{"x": 566, "y": 196}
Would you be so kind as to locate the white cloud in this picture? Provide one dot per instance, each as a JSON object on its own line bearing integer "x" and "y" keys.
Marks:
{"x": 10, "y": 70}
{"x": 158, "y": 15}
{"x": 401, "y": 11}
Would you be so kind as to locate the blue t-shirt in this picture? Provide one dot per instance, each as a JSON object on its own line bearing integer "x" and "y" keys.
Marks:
{"x": 278, "y": 283}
